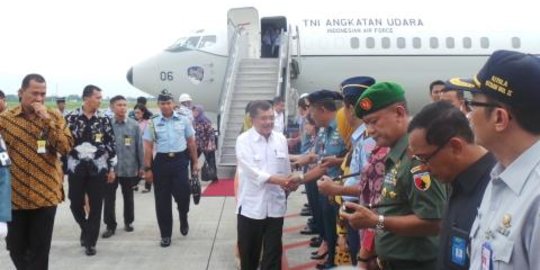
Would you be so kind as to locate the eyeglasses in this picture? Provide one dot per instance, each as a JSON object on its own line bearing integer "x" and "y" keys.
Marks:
{"x": 426, "y": 160}
{"x": 472, "y": 103}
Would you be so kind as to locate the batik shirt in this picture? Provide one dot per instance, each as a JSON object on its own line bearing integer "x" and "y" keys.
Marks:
{"x": 94, "y": 140}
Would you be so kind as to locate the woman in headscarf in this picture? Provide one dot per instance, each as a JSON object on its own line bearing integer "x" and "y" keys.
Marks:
{"x": 205, "y": 137}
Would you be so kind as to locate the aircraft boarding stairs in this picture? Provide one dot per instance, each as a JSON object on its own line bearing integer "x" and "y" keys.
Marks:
{"x": 256, "y": 80}
{"x": 247, "y": 79}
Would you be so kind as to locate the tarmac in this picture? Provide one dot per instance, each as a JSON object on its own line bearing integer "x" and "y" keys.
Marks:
{"x": 210, "y": 243}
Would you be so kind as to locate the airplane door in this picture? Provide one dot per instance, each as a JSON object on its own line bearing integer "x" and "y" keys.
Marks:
{"x": 247, "y": 19}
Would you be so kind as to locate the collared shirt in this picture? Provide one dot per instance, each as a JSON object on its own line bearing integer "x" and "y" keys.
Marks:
{"x": 36, "y": 178}
{"x": 94, "y": 140}
{"x": 169, "y": 134}
{"x": 129, "y": 147}
{"x": 467, "y": 192}
{"x": 330, "y": 143}
{"x": 362, "y": 146}
{"x": 413, "y": 192}
{"x": 507, "y": 225}
{"x": 279, "y": 122}
{"x": 258, "y": 159}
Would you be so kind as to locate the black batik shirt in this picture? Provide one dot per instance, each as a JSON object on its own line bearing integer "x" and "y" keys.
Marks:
{"x": 94, "y": 140}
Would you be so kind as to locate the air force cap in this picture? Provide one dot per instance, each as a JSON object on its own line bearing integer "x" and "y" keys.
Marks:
{"x": 512, "y": 78}
{"x": 379, "y": 96}
{"x": 355, "y": 86}
{"x": 164, "y": 95}
{"x": 322, "y": 95}
{"x": 461, "y": 84}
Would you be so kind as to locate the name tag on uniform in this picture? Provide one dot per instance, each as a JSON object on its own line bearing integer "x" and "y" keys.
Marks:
{"x": 99, "y": 137}
{"x": 487, "y": 253}
{"x": 41, "y": 146}
{"x": 459, "y": 250}
{"x": 127, "y": 141}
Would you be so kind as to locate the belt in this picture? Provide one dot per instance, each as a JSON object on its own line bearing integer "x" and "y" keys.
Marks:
{"x": 171, "y": 154}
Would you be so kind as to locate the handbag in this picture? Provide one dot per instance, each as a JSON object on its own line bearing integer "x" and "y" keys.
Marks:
{"x": 208, "y": 172}
{"x": 195, "y": 187}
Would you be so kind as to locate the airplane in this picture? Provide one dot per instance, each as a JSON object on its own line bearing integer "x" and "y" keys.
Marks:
{"x": 410, "y": 49}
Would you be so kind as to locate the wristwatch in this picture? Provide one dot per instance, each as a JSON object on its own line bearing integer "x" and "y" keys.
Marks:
{"x": 379, "y": 227}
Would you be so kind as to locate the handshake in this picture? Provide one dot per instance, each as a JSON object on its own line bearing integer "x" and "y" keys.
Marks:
{"x": 288, "y": 183}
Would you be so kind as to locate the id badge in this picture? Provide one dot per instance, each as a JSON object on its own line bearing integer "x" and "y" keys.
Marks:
{"x": 458, "y": 248}
{"x": 41, "y": 146}
{"x": 127, "y": 141}
{"x": 99, "y": 137}
{"x": 487, "y": 254}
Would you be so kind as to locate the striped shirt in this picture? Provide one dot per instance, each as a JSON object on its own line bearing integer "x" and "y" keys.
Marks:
{"x": 36, "y": 178}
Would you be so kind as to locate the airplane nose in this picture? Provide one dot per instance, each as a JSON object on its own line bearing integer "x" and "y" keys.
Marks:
{"x": 129, "y": 76}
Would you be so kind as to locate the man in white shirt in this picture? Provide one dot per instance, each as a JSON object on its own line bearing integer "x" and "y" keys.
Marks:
{"x": 263, "y": 170}
{"x": 504, "y": 118}
{"x": 279, "y": 114}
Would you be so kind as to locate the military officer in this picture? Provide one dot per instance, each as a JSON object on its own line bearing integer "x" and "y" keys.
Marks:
{"x": 174, "y": 138}
{"x": 330, "y": 149}
{"x": 408, "y": 216}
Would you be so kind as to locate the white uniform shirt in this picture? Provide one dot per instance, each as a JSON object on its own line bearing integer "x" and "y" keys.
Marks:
{"x": 508, "y": 220}
{"x": 279, "y": 122}
{"x": 258, "y": 159}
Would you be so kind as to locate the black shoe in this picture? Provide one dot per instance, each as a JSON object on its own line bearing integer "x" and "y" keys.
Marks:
{"x": 128, "y": 228}
{"x": 308, "y": 231}
{"x": 306, "y": 205}
{"x": 145, "y": 190}
{"x": 184, "y": 226}
{"x": 315, "y": 243}
{"x": 90, "y": 251}
{"x": 306, "y": 213}
{"x": 326, "y": 265}
{"x": 108, "y": 233}
{"x": 319, "y": 257}
{"x": 165, "y": 241}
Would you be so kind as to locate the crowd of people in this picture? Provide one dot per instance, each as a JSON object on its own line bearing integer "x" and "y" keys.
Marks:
{"x": 98, "y": 152}
{"x": 453, "y": 187}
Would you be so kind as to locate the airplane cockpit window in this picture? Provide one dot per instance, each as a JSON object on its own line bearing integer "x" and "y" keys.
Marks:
{"x": 450, "y": 43}
{"x": 401, "y": 42}
{"x": 416, "y": 42}
{"x": 385, "y": 42}
{"x": 467, "y": 42}
{"x": 370, "y": 43}
{"x": 516, "y": 43}
{"x": 355, "y": 43}
{"x": 192, "y": 42}
{"x": 433, "y": 42}
{"x": 484, "y": 42}
{"x": 207, "y": 41}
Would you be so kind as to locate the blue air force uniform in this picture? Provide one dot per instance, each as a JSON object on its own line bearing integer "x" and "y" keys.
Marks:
{"x": 170, "y": 167}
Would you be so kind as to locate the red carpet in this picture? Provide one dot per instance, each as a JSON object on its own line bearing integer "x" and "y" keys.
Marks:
{"x": 221, "y": 188}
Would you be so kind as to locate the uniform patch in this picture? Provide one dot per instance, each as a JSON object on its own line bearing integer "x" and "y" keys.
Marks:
{"x": 422, "y": 181}
{"x": 366, "y": 104}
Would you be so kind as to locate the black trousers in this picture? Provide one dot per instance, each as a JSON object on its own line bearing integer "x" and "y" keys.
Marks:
{"x": 170, "y": 181}
{"x": 254, "y": 234}
{"x": 109, "y": 212}
{"x": 85, "y": 181}
{"x": 29, "y": 237}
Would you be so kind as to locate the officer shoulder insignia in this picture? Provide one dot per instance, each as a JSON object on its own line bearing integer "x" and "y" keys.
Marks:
{"x": 422, "y": 180}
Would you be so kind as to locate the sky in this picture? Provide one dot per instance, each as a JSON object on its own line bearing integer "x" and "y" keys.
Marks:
{"x": 75, "y": 43}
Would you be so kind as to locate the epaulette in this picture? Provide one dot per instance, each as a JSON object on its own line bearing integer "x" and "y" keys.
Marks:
{"x": 154, "y": 116}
